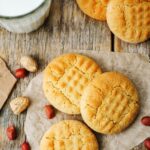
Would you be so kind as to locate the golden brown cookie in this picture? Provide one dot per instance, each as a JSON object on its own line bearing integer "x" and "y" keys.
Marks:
{"x": 129, "y": 19}
{"x": 69, "y": 135}
{"x": 110, "y": 103}
{"x": 94, "y": 8}
{"x": 65, "y": 79}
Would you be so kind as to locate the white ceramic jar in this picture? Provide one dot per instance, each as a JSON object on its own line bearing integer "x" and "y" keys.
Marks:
{"x": 28, "y": 16}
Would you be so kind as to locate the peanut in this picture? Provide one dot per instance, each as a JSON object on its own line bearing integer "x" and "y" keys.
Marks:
{"x": 49, "y": 111}
{"x": 25, "y": 146}
{"x": 146, "y": 121}
{"x": 21, "y": 73}
{"x": 19, "y": 104}
{"x": 29, "y": 63}
{"x": 11, "y": 132}
{"x": 147, "y": 143}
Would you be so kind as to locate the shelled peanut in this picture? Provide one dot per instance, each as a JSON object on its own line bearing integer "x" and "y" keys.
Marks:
{"x": 29, "y": 63}
{"x": 19, "y": 104}
{"x": 25, "y": 146}
{"x": 49, "y": 111}
{"x": 11, "y": 132}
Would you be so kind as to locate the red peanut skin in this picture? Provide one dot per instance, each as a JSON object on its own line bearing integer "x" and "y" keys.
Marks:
{"x": 146, "y": 121}
{"x": 49, "y": 111}
{"x": 21, "y": 73}
{"x": 11, "y": 132}
{"x": 147, "y": 143}
{"x": 25, "y": 146}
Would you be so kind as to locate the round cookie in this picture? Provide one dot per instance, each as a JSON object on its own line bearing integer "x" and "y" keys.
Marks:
{"x": 129, "y": 19}
{"x": 94, "y": 8}
{"x": 110, "y": 103}
{"x": 65, "y": 79}
{"x": 69, "y": 135}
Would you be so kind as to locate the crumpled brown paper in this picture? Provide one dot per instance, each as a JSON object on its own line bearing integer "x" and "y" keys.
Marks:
{"x": 135, "y": 66}
{"x": 7, "y": 82}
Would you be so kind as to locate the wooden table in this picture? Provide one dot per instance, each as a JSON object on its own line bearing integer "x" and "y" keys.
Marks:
{"x": 66, "y": 28}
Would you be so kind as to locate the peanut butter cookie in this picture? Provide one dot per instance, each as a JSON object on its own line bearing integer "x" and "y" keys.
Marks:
{"x": 110, "y": 103}
{"x": 94, "y": 8}
{"x": 129, "y": 19}
{"x": 69, "y": 135}
{"x": 65, "y": 79}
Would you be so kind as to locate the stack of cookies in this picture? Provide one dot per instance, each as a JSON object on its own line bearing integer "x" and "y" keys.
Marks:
{"x": 129, "y": 20}
{"x": 74, "y": 84}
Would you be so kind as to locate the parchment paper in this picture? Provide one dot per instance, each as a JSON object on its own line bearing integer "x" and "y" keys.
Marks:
{"x": 135, "y": 66}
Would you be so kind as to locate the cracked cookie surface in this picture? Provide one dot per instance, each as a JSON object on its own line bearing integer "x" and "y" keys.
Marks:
{"x": 94, "y": 8}
{"x": 110, "y": 103}
{"x": 65, "y": 79}
{"x": 129, "y": 19}
{"x": 69, "y": 135}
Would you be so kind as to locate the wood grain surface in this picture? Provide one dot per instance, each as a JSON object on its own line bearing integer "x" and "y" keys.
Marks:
{"x": 66, "y": 28}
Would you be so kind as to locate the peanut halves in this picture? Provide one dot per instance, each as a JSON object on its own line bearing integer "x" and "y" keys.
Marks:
{"x": 19, "y": 104}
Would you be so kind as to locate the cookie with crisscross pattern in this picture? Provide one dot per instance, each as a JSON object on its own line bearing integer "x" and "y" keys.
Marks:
{"x": 110, "y": 103}
{"x": 69, "y": 135}
{"x": 65, "y": 79}
{"x": 129, "y": 19}
{"x": 94, "y": 8}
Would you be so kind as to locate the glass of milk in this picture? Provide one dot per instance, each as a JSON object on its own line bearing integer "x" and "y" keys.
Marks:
{"x": 16, "y": 8}
{"x": 23, "y": 16}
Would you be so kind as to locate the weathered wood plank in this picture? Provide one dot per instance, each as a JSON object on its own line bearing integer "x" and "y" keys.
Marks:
{"x": 66, "y": 28}
{"x": 143, "y": 48}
